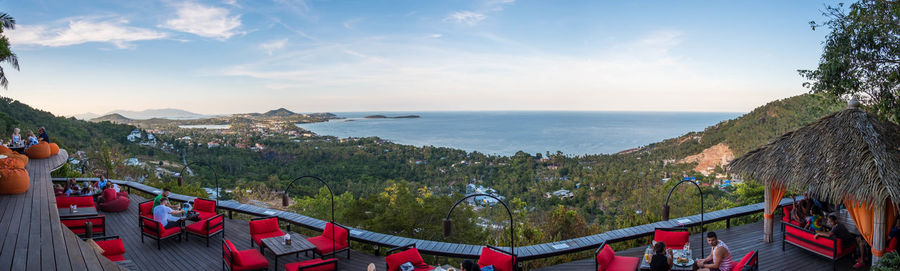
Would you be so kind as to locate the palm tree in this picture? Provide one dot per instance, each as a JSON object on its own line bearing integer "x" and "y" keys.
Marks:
{"x": 6, "y": 55}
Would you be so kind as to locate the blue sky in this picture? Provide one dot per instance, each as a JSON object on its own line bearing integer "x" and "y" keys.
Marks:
{"x": 216, "y": 57}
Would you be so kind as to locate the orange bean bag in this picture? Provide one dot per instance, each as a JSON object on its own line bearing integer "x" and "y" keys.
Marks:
{"x": 4, "y": 150}
{"x": 13, "y": 181}
{"x": 54, "y": 149}
{"x": 39, "y": 151}
{"x": 21, "y": 157}
{"x": 11, "y": 163}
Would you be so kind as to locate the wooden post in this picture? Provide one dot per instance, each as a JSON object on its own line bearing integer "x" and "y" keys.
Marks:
{"x": 878, "y": 229}
{"x": 768, "y": 223}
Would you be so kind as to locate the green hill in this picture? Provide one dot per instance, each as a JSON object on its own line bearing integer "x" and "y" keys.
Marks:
{"x": 68, "y": 132}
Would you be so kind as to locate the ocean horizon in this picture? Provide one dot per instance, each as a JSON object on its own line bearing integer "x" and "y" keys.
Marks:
{"x": 507, "y": 132}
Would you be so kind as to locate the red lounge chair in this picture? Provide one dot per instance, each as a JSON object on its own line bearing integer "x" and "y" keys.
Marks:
{"x": 828, "y": 247}
{"x": 751, "y": 259}
{"x": 786, "y": 210}
{"x": 395, "y": 257}
{"x": 114, "y": 202}
{"x": 78, "y": 225}
{"x": 500, "y": 259}
{"x": 606, "y": 260}
{"x": 112, "y": 246}
{"x": 207, "y": 228}
{"x": 262, "y": 228}
{"x": 313, "y": 265}
{"x": 156, "y": 231}
{"x": 82, "y": 201}
{"x": 205, "y": 208}
{"x": 145, "y": 209}
{"x": 675, "y": 238}
{"x": 324, "y": 244}
{"x": 242, "y": 260}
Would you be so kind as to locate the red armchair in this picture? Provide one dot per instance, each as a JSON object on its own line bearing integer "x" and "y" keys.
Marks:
{"x": 751, "y": 259}
{"x": 82, "y": 201}
{"x": 262, "y": 228}
{"x": 395, "y": 257}
{"x": 242, "y": 260}
{"x": 675, "y": 238}
{"x": 500, "y": 259}
{"x": 324, "y": 244}
{"x": 155, "y": 230}
{"x": 205, "y": 208}
{"x": 606, "y": 260}
{"x": 787, "y": 218}
{"x": 112, "y": 246}
{"x": 207, "y": 228}
{"x": 313, "y": 265}
{"x": 114, "y": 202}
{"x": 78, "y": 225}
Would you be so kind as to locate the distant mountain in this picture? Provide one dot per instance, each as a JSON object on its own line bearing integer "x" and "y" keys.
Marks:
{"x": 166, "y": 113}
{"x": 86, "y": 116}
{"x": 114, "y": 118}
{"x": 280, "y": 112}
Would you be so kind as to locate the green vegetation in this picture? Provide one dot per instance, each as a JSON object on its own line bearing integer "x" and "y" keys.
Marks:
{"x": 861, "y": 56}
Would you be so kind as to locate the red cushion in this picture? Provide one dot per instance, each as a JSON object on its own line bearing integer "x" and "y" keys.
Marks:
{"x": 205, "y": 215}
{"x": 249, "y": 259}
{"x": 65, "y": 202}
{"x": 605, "y": 256}
{"x": 199, "y": 227}
{"x": 146, "y": 209}
{"x": 124, "y": 193}
{"x": 805, "y": 237}
{"x": 624, "y": 263}
{"x": 410, "y": 255}
{"x": 230, "y": 247}
{"x": 111, "y": 247}
{"x": 325, "y": 245}
{"x": 153, "y": 225}
{"x": 119, "y": 204}
{"x": 744, "y": 262}
{"x": 892, "y": 245}
{"x": 340, "y": 234}
{"x": 115, "y": 258}
{"x": 500, "y": 261}
{"x": 77, "y": 226}
{"x": 109, "y": 194}
{"x": 673, "y": 239}
{"x": 258, "y": 238}
{"x": 787, "y": 213}
{"x": 204, "y": 205}
{"x": 296, "y": 266}
{"x": 264, "y": 226}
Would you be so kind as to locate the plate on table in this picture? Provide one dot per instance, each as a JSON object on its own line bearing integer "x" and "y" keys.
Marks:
{"x": 684, "y": 262}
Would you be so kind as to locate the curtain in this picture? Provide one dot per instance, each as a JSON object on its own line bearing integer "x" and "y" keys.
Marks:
{"x": 776, "y": 191}
{"x": 864, "y": 217}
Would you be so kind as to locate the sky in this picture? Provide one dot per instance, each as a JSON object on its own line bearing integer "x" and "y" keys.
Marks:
{"x": 234, "y": 56}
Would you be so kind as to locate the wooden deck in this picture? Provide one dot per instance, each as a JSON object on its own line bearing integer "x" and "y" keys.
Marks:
{"x": 31, "y": 236}
{"x": 193, "y": 253}
{"x": 740, "y": 240}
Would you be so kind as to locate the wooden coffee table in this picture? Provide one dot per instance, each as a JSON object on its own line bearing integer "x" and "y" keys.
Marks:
{"x": 80, "y": 211}
{"x": 277, "y": 246}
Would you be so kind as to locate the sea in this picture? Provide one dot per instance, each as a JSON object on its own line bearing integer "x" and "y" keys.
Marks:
{"x": 507, "y": 132}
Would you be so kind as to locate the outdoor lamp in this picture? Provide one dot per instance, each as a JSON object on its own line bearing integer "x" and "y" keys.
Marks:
{"x": 447, "y": 227}
{"x": 284, "y": 199}
{"x": 179, "y": 180}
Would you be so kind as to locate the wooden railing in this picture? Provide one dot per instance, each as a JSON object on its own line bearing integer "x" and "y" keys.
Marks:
{"x": 525, "y": 253}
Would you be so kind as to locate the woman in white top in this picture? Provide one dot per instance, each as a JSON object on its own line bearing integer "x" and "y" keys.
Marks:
{"x": 719, "y": 258}
{"x": 16, "y": 137}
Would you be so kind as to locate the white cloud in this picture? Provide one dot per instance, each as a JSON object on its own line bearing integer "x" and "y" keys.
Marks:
{"x": 466, "y": 17}
{"x": 271, "y": 46}
{"x": 204, "y": 21}
{"x": 232, "y": 3}
{"x": 435, "y": 36}
{"x": 83, "y": 30}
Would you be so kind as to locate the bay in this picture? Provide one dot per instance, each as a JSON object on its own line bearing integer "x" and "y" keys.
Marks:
{"x": 507, "y": 132}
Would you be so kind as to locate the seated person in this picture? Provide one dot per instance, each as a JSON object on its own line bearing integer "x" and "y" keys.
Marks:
{"x": 165, "y": 215}
{"x": 839, "y": 231}
{"x": 58, "y": 190}
{"x": 895, "y": 230}
{"x": 719, "y": 258}
{"x": 31, "y": 140}
{"x": 661, "y": 260}
{"x": 101, "y": 185}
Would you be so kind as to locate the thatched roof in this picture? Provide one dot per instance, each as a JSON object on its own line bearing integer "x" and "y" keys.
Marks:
{"x": 847, "y": 153}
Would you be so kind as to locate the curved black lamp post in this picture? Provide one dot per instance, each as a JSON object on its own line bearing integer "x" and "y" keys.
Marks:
{"x": 512, "y": 237}
{"x": 665, "y": 214}
{"x": 285, "y": 202}
{"x": 216, "y": 175}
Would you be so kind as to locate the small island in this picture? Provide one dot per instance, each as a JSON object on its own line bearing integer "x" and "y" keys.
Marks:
{"x": 395, "y": 117}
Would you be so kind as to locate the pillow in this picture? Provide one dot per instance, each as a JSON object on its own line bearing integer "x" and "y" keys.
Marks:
{"x": 407, "y": 266}
{"x": 235, "y": 260}
{"x": 265, "y": 225}
{"x": 500, "y": 261}
{"x": 410, "y": 255}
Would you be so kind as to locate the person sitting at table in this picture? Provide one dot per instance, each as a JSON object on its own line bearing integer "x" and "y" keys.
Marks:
{"x": 58, "y": 190}
{"x": 42, "y": 135}
{"x": 840, "y": 231}
{"x": 31, "y": 139}
{"x": 158, "y": 200}
{"x": 166, "y": 216}
{"x": 16, "y": 138}
{"x": 660, "y": 260}
{"x": 719, "y": 258}
{"x": 72, "y": 188}
{"x": 101, "y": 184}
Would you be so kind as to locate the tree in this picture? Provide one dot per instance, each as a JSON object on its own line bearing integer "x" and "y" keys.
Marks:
{"x": 6, "y": 55}
{"x": 861, "y": 56}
